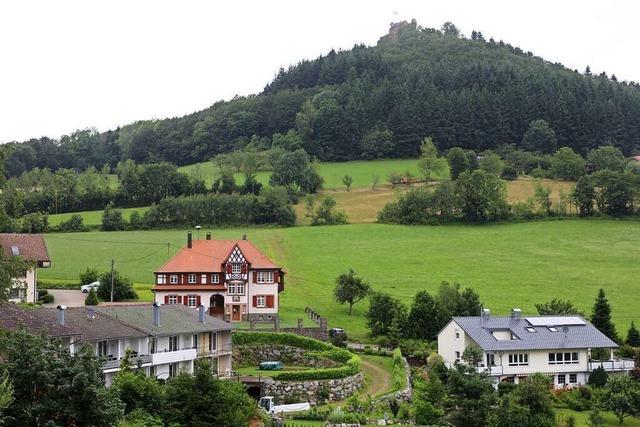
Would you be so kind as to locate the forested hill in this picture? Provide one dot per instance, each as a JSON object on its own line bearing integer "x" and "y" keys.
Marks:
{"x": 379, "y": 101}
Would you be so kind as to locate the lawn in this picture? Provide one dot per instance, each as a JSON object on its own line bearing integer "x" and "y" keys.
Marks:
{"x": 582, "y": 417}
{"x": 509, "y": 265}
{"x": 91, "y": 217}
{"x": 362, "y": 171}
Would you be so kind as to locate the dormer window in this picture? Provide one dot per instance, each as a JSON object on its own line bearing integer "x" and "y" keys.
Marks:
{"x": 236, "y": 268}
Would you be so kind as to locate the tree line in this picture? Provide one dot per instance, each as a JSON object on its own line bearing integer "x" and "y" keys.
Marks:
{"x": 376, "y": 102}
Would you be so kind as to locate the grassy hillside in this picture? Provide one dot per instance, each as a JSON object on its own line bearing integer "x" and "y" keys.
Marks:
{"x": 362, "y": 172}
{"x": 90, "y": 217}
{"x": 509, "y": 265}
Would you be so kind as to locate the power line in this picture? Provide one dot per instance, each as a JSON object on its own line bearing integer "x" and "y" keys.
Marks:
{"x": 107, "y": 241}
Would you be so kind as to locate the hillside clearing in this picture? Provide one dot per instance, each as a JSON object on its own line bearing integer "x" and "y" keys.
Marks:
{"x": 508, "y": 264}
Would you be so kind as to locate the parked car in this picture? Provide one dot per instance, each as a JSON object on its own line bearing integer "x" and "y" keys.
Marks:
{"x": 337, "y": 332}
{"x": 86, "y": 288}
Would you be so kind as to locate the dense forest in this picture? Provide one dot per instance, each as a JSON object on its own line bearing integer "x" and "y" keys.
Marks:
{"x": 378, "y": 101}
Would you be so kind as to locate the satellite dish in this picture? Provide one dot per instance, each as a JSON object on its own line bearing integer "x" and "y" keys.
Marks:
{"x": 565, "y": 329}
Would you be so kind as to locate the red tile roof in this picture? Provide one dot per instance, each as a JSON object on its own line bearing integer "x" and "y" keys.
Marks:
{"x": 208, "y": 256}
{"x": 31, "y": 247}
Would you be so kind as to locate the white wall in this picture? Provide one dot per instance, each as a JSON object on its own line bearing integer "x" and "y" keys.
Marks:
{"x": 448, "y": 343}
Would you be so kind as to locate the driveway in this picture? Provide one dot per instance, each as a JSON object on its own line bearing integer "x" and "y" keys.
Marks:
{"x": 70, "y": 298}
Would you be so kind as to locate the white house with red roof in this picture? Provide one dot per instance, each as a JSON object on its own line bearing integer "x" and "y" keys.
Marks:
{"x": 31, "y": 248}
{"x": 232, "y": 278}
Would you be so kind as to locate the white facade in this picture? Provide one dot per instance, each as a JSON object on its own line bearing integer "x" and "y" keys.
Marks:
{"x": 165, "y": 356}
{"x": 568, "y": 366}
{"x": 24, "y": 288}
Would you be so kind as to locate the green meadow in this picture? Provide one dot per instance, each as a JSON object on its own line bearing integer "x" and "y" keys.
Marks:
{"x": 362, "y": 172}
{"x": 509, "y": 265}
{"x": 91, "y": 218}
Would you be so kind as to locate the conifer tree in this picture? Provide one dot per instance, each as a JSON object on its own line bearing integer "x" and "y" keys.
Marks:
{"x": 633, "y": 336}
{"x": 601, "y": 316}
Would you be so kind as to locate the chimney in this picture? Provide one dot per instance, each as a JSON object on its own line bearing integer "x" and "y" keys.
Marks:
{"x": 485, "y": 314}
{"x": 516, "y": 313}
{"x": 201, "y": 313}
{"x": 156, "y": 313}
{"x": 189, "y": 240}
{"x": 61, "y": 309}
{"x": 209, "y": 235}
{"x": 244, "y": 236}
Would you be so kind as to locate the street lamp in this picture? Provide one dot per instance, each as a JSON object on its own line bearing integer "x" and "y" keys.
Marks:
{"x": 198, "y": 232}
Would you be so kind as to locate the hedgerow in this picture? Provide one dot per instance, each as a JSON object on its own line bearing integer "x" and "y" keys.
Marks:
{"x": 398, "y": 370}
{"x": 317, "y": 348}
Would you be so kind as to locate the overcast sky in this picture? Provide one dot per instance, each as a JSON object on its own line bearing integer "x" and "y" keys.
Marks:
{"x": 66, "y": 65}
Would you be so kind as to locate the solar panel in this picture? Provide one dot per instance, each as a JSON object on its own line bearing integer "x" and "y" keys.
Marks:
{"x": 555, "y": 321}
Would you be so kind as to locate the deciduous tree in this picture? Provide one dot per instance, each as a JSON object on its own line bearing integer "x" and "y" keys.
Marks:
{"x": 350, "y": 288}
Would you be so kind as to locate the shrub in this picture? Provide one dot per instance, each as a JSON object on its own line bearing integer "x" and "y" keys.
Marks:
{"x": 74, "y": 223}
{"x": 509, "y": 173}
{"x": 505, "y": 388}
{"x": 36, "y": 222}
{"x": 122, "y": 287}
{"x": 42, "y": 292}
{"x": 626, "y": 351}
{"x": 92, "y": 298}
{"x": 578, "y": 399}
{"x": 598, "y": 377}
{"x": 112, "y": 219}
{"x": 90, "y": 275}
{"x": 47, "y": 299}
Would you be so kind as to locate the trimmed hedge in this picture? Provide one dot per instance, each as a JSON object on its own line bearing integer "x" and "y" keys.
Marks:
{"x": 43, "y": 284}
{"x": 320, "y": 349}
{"x": 398, "y": 370}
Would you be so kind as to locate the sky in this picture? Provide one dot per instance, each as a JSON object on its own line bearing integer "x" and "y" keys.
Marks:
{"x": 67, "y": 65}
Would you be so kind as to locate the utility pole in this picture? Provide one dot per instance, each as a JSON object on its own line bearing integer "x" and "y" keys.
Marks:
{"x": 112, "y": 280}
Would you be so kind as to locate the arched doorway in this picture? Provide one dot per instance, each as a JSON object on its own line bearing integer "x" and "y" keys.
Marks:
{"x": 216, "y": 306}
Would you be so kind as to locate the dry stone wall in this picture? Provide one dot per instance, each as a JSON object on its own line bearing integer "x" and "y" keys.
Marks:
{"x": 314, "y": 392}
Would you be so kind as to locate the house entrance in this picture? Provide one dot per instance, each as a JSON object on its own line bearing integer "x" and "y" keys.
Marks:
{"x": 216, "y": 306}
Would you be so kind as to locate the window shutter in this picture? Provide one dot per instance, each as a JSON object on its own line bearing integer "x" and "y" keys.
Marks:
{"x": 185, "y": 299}
{"x": 255, "y": 277}
{"x": 243, "y": 269}
{"x": 166, "y": 299}
{"x": 270, "y": 301}
{"x": 179, "y": 299}
{"x": 255, "y": 300}
{"x": 276, "y": 277}
{"x": 228, "y": 268}
{"x": 198, "y": 300}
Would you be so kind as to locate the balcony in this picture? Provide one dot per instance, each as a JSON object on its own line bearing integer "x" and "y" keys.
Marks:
{"x": 612, "y": 365}
{"x": 490, "y": 370}
{"x": 221, "y": 350}
{"x": 173, "y": 356}
{"x": 113, "y": 364}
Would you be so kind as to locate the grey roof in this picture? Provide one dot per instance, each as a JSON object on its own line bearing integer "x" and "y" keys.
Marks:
{"x": 94, "y": 328}
{"x": 13, "y": 317}
{"x": 174, "y": 319}
{"x": 576, "y": 336}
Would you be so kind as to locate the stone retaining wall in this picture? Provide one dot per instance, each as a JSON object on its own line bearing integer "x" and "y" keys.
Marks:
{"x": 247, "y": 355}
{"x": 314, "y": 392}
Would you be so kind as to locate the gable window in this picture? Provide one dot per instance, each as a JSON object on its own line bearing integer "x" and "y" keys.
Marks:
{"x": 203, "y": 279}
{"x": 457, "y": 334}
{"x": 192, "y": 301}
{"x": 265, "y": 277}
{"x": 192, "y": 279}
{"x": 173, "y": 299}
{"x": 173, "y": 343}
{"x": 236, "y": 268}
{"x": 562, "y": 379}
{"x": 173, "y": 279}
{"x": 261, "y": 301}
{"x": 215, "y": 278}
{"x": 162, "y": 279}
{"x": 518, "y": 359}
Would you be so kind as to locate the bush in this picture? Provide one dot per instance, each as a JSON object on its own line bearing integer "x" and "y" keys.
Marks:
{"x": 73, "y": 224}
{"x": 46, "y": 299}
{"x": 578, "y": 399}
{"x": 36, "y": 222}
{"x": 112, "y": 219}
{"x": 92, "y": 298}
{"x": 43, "y": 284}
{"x": 42, "y": 292}
{"x": 598, "y": 377}
{"x": 509, "y": 173}
{"x": 122, "y": 287}
{"x": 90, "y": 275}
{"x": 626, "y": 351}
{"x": 505, "y": 388}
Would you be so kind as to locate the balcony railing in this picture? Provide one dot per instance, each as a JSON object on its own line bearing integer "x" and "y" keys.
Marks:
{"x": 113, "y": 363}
{"x": 489, "y": 370}
{"x": 220, "y": 350}
{"x": 612, "y": 365}
{"x": 173, "y": 356}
